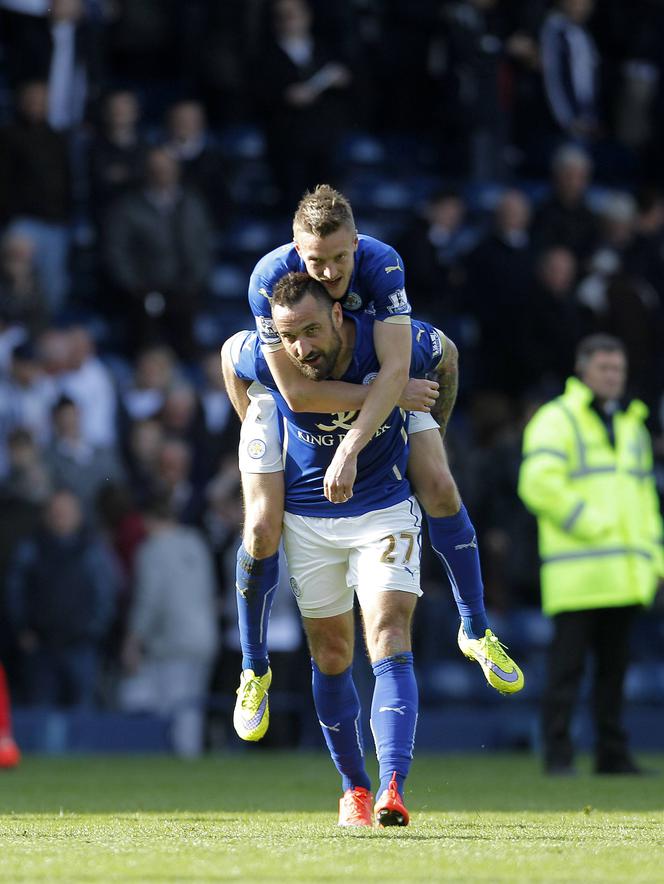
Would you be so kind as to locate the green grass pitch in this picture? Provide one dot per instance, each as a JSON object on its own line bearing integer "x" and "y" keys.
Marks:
{"x": 257, "y": 816}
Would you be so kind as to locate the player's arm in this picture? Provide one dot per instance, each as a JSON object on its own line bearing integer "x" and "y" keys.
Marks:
{"x": 304, "y": 394}
{"x": 300, "y": 394}
{"x": 235, "y": 386}
{"x": 321, "y": 397}
{"x": 446, "y": 373}
{"x": 393, "y": 345}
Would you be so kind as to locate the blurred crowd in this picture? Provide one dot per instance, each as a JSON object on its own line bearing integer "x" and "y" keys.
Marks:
{"x": 151, "y": 151}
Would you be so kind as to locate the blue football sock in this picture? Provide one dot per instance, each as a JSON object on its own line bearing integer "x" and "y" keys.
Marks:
{"x": 394, "y": 717}
{"x": 338, "y": 709}
{"x": 454, "y": 541}
{"x": 256, "y": 581}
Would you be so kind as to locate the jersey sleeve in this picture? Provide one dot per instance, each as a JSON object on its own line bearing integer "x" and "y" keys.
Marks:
{"x": 388, "y": 286}
{"x": 260, "y": 304}
{"x": 244, "y": 349}
{"x": 428, "y": 347}
{"x": 266, "y": 274}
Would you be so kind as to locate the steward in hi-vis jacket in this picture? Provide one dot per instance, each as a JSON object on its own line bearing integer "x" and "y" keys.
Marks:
{"x": 587, "y": 476}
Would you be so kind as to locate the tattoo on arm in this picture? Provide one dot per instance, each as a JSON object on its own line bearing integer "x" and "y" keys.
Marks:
{"x": 447, "y": 375}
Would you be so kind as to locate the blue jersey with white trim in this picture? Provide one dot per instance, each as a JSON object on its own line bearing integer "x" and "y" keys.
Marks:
{"x": 310, "y": 440}
{"x": 377, "y": 283}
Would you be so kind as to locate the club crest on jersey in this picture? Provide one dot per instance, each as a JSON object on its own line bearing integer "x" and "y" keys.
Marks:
{"x": 267, "y": 329}
{"x": 398, "y": 302}
{"x": 352, "y": 301}
{"x": 370, "y": 378}
{"x": 256, "y": 448}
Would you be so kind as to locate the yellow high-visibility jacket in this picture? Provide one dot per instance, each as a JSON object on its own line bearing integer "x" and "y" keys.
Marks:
{"x": 599, "y": 524}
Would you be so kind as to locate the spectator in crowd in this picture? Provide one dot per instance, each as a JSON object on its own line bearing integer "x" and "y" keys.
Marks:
{"x": 61, "y": 590}
{"x": 52, "y": 348}
{"x": 217, "y": 412}
{"x": 565, "y": 218}
{"x": 11, "y": 335}
{"x": 157, "y": 256}
{"x": 570, "y": 68}
{"x": 10, "y": 754}
{"x": 181, "y": 417}
{"x": 89, "y": 383}
{"x": 499, "y": 280}
{"x": 123, "y": 525}
{"x": 141, "y": 41}
{"x": 117, "y": 151}
{"x": 54, "y": 42}
{"x": 172, "y": 634}
{"x": 302, "y": 95}
{"x": 470, "y": 49}
{"x": 553, "y": 322}
{"x": 587, "y": 477}
{"x": 645, "y": 254}
{"x": 173, "y": 477}
{"x": 190, "y": 142}
{"x": 509, "y": 532}
{"x": 144, "y": 439}
{"x": 21, "y": 298}
{"x": 23, "y": 491}
{"x": 623, "y": 301}
{"x": 27, "y": 480}
{"x": 155, "y": 372}
{"x": 433, "y": 248}
{"x": 35, "y": 189}
{"x": 75, "y": 463}
{"x": 26, "y": 399}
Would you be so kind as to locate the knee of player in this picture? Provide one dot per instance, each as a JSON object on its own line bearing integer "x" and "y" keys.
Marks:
{"x": 440, "y": 495}
{"x": 262, "y": 533}
{"x": 333, "y": 657}
{"x": 387, "y": 639}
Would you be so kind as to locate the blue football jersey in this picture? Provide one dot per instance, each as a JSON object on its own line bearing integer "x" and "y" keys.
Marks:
{"x": 310, "y": 440}
{"x": 377, "y": 284}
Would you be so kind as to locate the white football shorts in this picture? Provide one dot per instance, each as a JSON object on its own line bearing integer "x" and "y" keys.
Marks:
{"x": 260, "y": 449}
{"x": 331, "y": 559}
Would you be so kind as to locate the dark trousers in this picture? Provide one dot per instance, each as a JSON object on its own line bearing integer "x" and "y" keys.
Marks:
{"x": 62, "y": 676}
{"x": 602, "y": 634}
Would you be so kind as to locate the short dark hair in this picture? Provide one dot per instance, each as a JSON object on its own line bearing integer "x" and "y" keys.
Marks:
{"x": 61, "y": 402}
{"x": 598, "y": 343}
{"x": 293, "y": 287}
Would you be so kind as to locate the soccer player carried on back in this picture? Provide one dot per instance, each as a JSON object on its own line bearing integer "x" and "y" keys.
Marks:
{"x": 362, "y": 274}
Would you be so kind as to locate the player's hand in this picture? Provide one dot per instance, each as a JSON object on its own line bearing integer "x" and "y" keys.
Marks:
{"x": 419, "y": 394}
{"x": 340, "y": 477}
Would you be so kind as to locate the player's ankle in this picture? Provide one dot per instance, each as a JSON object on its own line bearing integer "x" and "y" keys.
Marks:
{"x": 476, "y": 625}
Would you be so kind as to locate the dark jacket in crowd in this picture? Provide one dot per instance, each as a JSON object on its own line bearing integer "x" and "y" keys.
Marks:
{"x": 63, "y": 590}
{"x": 35, "y": 176}
{"x": 148, "y": 249}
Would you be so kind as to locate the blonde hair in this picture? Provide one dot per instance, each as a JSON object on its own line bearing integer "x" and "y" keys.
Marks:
{"x": 323, "y": 211}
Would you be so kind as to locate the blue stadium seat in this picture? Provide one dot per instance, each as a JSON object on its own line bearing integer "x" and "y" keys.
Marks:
{"x": 362, "y": 149}
{"x": 243, "y": 141}
{"x": 645, "y": 682}
{"x": 229, "y": 281}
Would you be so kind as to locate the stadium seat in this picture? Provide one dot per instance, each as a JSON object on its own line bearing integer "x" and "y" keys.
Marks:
{"x": 243, "y": 141}
{"x": 228, "y": 281}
